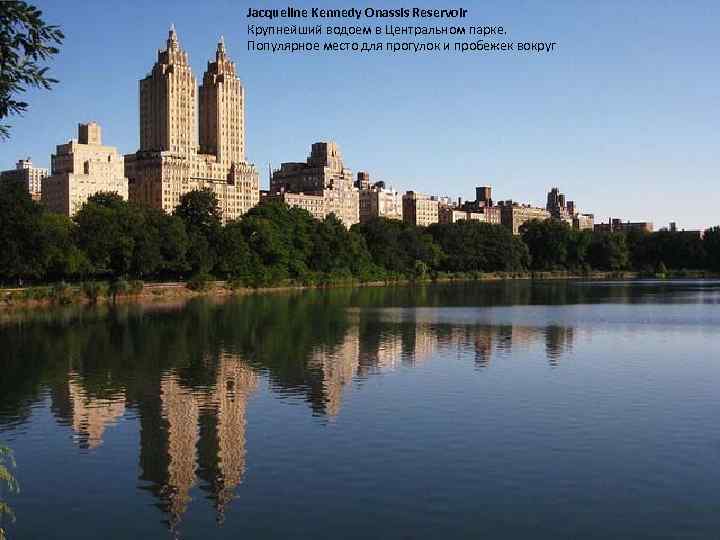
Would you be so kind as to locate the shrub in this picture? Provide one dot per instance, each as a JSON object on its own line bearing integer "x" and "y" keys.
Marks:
{"x": 235, "y": 284}
{"x": 36, "y": 293}
{"x": 94, "y": 290}
{"x": 119, "y": 287}
{"x": 136, "y": 286}
{"x": 202, "y": 281}
{"x": 61, "y": 293}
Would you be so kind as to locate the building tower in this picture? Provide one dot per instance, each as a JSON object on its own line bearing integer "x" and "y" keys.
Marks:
{"x": 222, "y": 110}
{"x": 167, "y": 102}
{"x": 170, "y": 162}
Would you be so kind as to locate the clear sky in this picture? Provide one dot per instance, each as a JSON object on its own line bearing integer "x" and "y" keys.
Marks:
{"x": 624, "y": 117}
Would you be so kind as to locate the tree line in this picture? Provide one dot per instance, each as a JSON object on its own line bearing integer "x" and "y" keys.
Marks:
{"x": 110, "y": 238}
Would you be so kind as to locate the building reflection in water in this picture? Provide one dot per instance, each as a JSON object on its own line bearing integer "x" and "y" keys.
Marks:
{"x": 193, "y": 419}
{"x": 88, "y": 415}
{"x": 191, "y": 434}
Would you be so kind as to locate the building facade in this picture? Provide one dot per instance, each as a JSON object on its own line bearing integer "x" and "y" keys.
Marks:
{"x": 315, "y": 204}
{"x": 420, "y": 209}
{"x": 513, "y": 215}
{"x": 27, "y": 175}
{"x": 584, "y": 222}
{"x": 81, "y": 168}
{"x": 171, "y": 160}
{"x": 618, "y": 225}
{"x": 376, "y": 200}
{"x": 323, "y": 175}
{"x": 567, "y": 211}
{"x": 450, "y": 214}
{"x": 483, "y": 204}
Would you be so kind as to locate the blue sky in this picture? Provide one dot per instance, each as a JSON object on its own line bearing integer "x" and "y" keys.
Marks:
{"x": 624, "y": 117}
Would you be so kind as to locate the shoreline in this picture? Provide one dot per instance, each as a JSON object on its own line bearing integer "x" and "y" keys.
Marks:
{"x": 73, "y": 294}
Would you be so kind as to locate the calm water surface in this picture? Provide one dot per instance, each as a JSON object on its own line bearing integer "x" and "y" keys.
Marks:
{"x": 506, "y": 410}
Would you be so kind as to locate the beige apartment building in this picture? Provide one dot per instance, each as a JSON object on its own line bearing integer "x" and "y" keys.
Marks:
{"x": 322, "y": 176}
{"x": 419, "y": 209}
{"x": 81, "y": 168}
{"x": 29, "y": 176}
{"x": 449, "y": 214}
{"x": 584, "y": 222}
{"x": 376, "y": 200}
{"x": 513, "y": 215}
{"x": 314, "y": 204}
{"x": 172, "y": 160}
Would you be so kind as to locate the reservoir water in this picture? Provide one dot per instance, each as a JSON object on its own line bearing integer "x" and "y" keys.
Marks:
{"x": 498, "y": 410}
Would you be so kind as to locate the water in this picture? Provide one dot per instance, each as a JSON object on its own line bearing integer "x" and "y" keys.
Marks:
{"x": 513, "y": 410}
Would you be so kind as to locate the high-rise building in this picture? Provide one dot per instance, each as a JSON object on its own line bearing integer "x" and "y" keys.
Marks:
{"x": 81, "y": 168}
{"x": 324, "y": 175}
{"x": 376, "y": 200}
{"x": 170, "y": 161}
{"x": 483, "y": 194}
{"x": 483, "y": 204}
{"x": 222, "y": 111}
{"x": 568, "y": 211}
{"x": 514, "y": 215}
{"x": 558, "y": 208}
{"x": 168, "y": 102}
{"x": 29, "y": 176}
{"x": 451, "y": 214}
{"x": 420, "y": 209}
{"x": 584, "y": 222}
{"x": 618, "y": 225}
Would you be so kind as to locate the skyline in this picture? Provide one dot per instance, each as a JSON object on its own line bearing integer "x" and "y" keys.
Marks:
{"x": 618, "y": 153}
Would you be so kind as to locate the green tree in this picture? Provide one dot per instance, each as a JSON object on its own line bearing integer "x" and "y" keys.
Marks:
{"x": 20, "y": 236}
{"x": 337, "y": 250}
{"x": 281, "y": 239}
{"x": 200, "y": 212}
{"x": 470, "y": 245}
{"x": 675, "y": 249}
{"x": 8, "y": 481}
{"x": 711, "y": 245}
{"x": 26, "y": 43}
{"x": 62, "y": 258}
{"x": 396, "y": 246}
{"x": 609, "y": 251}
{"x": 103, "y": 233}
{"x": 174, "y": 242}
{"x": 235, "y": 258}
{"x": 549, "y": 242}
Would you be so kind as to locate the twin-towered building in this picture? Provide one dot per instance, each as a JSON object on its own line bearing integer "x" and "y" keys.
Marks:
{"x": 176, "y": 156}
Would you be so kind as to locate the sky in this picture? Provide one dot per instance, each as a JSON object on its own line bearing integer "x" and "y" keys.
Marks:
{"x": 624, "y": 117}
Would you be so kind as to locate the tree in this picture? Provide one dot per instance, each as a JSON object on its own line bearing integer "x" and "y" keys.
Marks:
{"x": 549, "y": 243}
{"x": 19, "y": 234}
{"x": 26, "y": 42}
{"x": 103, "y": 233}
{"x": 396, "y": 246}
{"x": 608, "y": 251}
{"x": 337, "y": 250}
{"x": 676, "y": 249}
{"x": 235, "y": 259}
{"x": 200, "y": 212}
{"x": 711, "y": 244}
{"x": 61, "y": 257}
{"x": 6, "y": 478}
{"x": 470, "y": 245}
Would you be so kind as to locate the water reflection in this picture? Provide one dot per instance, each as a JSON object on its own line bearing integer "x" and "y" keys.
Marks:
{"x": 187, "y": 371}
{"x": 195, "y": 434}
